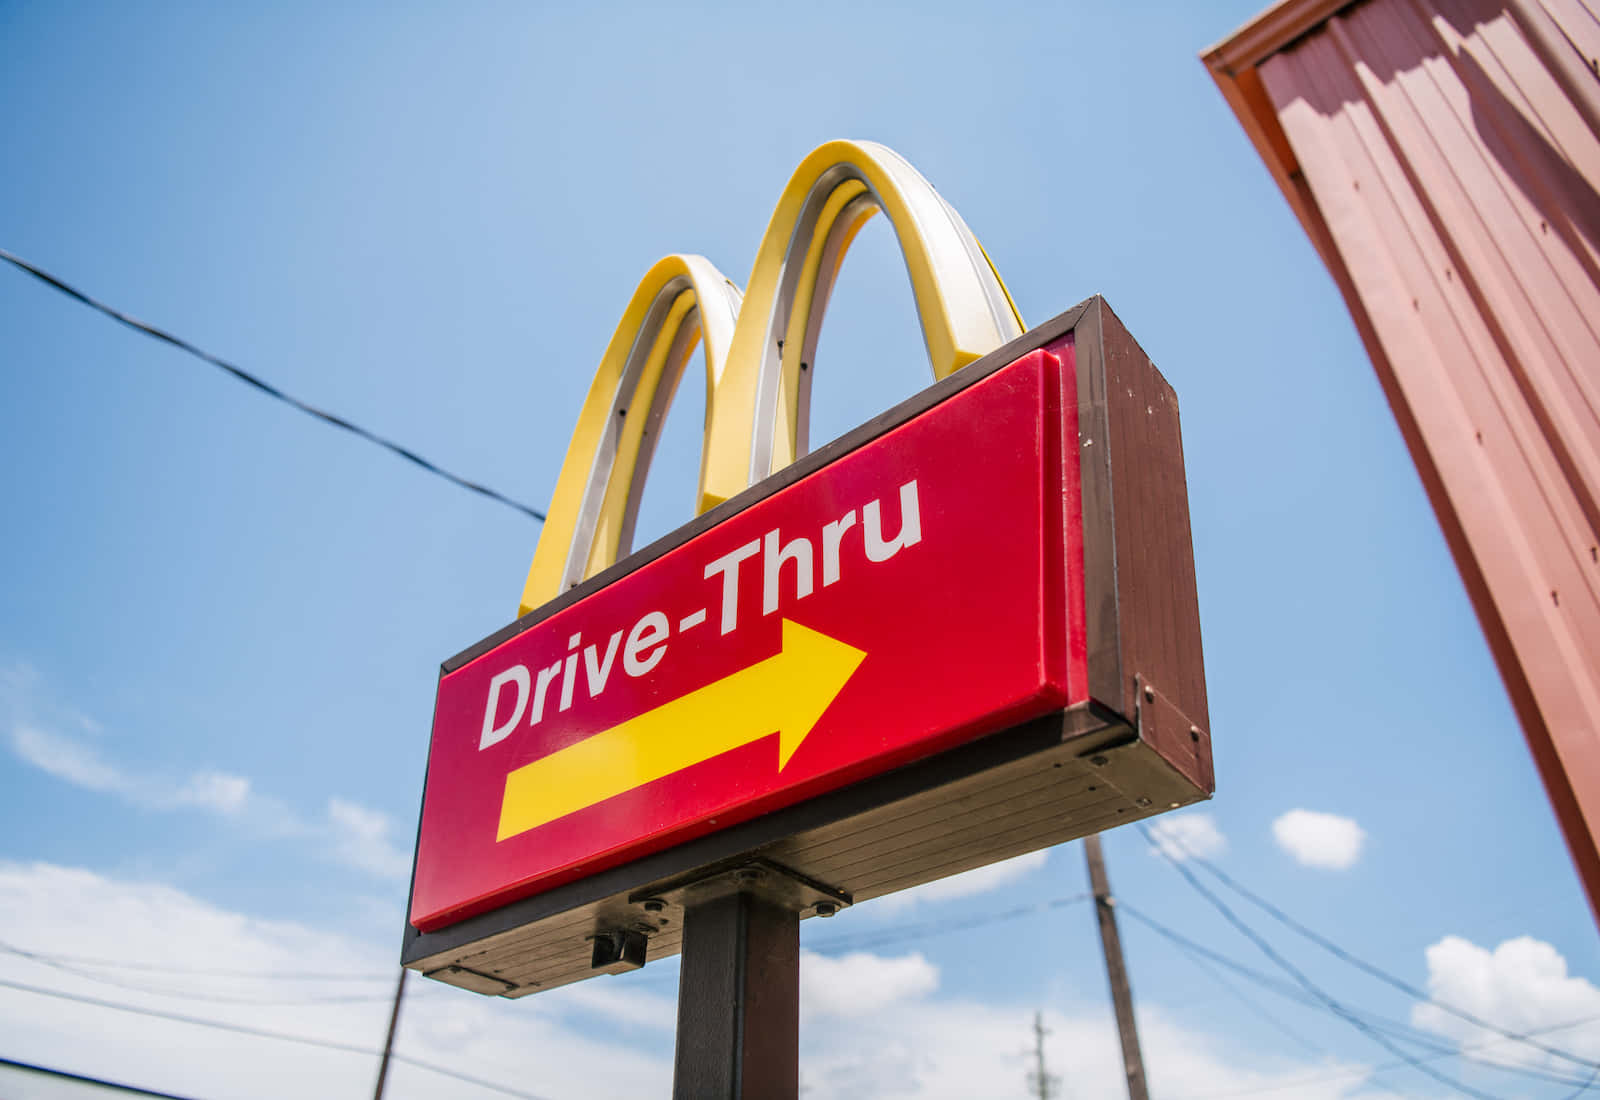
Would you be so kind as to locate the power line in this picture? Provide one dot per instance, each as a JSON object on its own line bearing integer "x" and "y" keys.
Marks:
{"x": 866, "y": 940}
{"x": 187, "y": 994}
{"x": 1584, "y": 1086}
{"x": 266, "y": 387}
{"x": 87, "y": 1080}
{"x": 1307, "y": 984}
{"x": 1199, "y": 951}
{"x": 1375, "y": 971}
{"x": 889, "y": 937}
{"x": 210, "y": 972}
{"x": 1197, "y": 955}
{"x": 900, "y": 933}
{"x": 264, "y": 1033}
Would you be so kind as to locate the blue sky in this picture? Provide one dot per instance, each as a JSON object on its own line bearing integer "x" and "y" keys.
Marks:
{"x": 222, "y": 621}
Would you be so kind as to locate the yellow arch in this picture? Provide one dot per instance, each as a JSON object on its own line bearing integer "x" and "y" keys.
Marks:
{"x": 681, "y": 300}
{"x": 965, "y": 309}
{"x": 758, "y": 358}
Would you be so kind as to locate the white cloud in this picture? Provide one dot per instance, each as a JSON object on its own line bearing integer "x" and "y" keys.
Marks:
{"x": 77, "y": 761}
{"x": 533, "y": 1044}
{"x": 875, "y": 1026}
{"x": 1179, "y": 836}
{"x": 1320, "y": 840}
{"x": 859, "y": 984}
{"x": 82, "y": 765}
{"x": 360, "y": 839}
{"x": 980, "y": 880}
{"x": 948, "y": 1048}
{"x": 617, "y": 999}
{"x": 226, "y": 794}
{"x": 352, "y": 834}
{"x": 1522, "y": 986}
{"x": 68, "y": 760}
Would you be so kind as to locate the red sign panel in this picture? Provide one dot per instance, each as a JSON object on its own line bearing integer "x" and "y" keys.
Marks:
{"x": 917, "y": 592}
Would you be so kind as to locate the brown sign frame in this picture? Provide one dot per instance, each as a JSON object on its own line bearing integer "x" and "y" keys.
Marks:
{"x": 1141, "y": 746}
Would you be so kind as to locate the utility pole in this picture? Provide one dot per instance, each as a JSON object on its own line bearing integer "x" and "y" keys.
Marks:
{"x": 388, "y": 1040}
{"x": 1041, "y": 1081}
{"x": 1116, "y": 969}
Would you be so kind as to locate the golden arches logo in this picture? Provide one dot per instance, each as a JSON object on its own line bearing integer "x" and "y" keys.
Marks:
{"x": 759, "y": 348}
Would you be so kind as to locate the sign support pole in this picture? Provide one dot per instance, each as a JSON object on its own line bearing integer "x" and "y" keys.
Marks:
{"x": 388, "y": 1039}
{"x": 738, "y": 999}
{"x": 1116, "y": 970}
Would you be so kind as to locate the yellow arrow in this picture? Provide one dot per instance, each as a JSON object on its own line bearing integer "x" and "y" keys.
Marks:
{"x": 786, "y": 693}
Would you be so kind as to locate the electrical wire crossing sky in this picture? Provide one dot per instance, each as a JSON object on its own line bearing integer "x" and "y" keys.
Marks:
{"x": 221, "y": 627}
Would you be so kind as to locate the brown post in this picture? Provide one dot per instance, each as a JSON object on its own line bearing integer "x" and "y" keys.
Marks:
{"x": 388, "y": 1040}
{"x": 1116, "y": 969}
{"x": 738, "y": 1000}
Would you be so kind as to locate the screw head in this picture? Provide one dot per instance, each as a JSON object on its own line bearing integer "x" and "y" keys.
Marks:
{"x": 1149, "y": 694}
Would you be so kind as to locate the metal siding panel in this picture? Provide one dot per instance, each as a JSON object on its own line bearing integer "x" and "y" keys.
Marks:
{"x": 1579, "y": 20}
{"x": 1486, "y": 238}
{"x": 1458, "y": 184}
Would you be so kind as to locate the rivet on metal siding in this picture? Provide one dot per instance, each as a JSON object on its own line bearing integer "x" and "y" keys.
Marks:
{"x": 1194, "y": 733}
{"x": 1149, "y": 694}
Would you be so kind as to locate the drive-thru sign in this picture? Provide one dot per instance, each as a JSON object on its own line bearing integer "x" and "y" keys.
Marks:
{"x": 887, "y": 606}
{"x": 966, "y": 630}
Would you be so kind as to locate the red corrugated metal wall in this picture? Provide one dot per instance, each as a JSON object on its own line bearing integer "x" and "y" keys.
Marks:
{"x": 1449, "y": 170}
